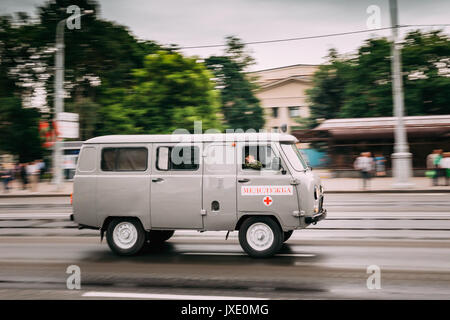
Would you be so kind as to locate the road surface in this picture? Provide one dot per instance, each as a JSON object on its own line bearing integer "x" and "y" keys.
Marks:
{"x": 406, "y": 235}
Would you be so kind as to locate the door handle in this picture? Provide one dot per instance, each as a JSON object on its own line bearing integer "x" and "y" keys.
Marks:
{"x": 157, "y": 179}
{"x": 243, "y": 180}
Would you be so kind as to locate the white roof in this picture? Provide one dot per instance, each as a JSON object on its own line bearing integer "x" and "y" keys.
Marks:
{"x": 144, "y": 138}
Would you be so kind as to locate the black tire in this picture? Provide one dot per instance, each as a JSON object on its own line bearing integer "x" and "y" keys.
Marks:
{"x": 159, "y": 236}
{"x": 139, "y": 237}
{"x": 287, "y": 235}
{"x": 277, "y": 239}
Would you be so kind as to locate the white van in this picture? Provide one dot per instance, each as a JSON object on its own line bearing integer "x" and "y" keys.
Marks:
{"x": 139, "y": 189}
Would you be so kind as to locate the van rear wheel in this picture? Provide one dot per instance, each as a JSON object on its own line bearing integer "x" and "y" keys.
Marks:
{"x": 125, "y": 237}
{"x": 159, "y": 236}
{"x": 260, "y": 237}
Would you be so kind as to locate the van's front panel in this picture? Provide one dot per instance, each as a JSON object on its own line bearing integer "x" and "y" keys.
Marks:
{"x": 308, "y": 184}
{"x": 263, "y": 188}
{"x": 123, "y": 181}
{"x": 219, "y": 186}
{"x": 176, "y": 186}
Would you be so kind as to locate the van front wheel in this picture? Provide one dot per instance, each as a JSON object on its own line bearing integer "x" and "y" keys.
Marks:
{"x": 260, "y": 237}
{"x": 125, "y": 237}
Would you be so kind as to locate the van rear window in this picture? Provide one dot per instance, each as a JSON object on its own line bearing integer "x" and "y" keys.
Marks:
{"x": 124, "y": 159}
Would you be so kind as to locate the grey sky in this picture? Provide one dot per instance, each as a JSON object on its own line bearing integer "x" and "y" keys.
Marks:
{"x": 203, "y": 22}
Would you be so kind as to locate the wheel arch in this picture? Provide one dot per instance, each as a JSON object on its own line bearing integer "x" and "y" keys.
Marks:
{"x": 247, "y": 216}
{"x": 108, "y": 220}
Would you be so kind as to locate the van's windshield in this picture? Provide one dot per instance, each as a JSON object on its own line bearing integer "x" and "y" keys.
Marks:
{"x": 294, "y": 156}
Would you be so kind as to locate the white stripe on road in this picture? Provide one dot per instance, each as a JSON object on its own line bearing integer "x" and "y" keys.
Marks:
{"x": 244, "y": 254}
{"x": 34, "y": 215}
{"x": 131, "y": 295}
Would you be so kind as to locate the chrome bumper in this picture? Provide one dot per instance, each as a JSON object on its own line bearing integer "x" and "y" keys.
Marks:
{"x": 317, "y": 217}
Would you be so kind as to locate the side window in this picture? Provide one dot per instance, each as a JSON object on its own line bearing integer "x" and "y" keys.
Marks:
{"x": 178, "y": 158}
{"x": 108, "y": 159}
{"x": 124, "y": 159}
{"x": 256, "y": 157}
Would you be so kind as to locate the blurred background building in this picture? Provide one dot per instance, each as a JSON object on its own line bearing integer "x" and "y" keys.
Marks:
{"x": 347, "y": 138}
{"x": 282, "y": 93}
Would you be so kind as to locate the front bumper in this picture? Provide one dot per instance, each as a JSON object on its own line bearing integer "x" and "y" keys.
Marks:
{"x": 317, "y": 217}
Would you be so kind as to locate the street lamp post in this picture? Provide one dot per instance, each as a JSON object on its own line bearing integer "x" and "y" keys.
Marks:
{"x": 58, "y": 100}
{"x": 401, "y": 158}
{"x": 59, "y": 96}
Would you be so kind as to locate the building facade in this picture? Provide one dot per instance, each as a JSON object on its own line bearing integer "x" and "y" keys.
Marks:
{"x": 282, "y": 92}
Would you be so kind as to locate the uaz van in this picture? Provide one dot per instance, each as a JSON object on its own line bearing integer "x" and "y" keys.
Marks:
{"x": 139, "y": 189}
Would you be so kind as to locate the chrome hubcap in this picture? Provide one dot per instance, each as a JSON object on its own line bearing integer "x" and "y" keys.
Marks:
{"x": 125, "y": 235}
{"x": 260, "y": 236}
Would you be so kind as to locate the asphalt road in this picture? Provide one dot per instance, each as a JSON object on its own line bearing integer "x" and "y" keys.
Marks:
{"x": 406, "y": 235}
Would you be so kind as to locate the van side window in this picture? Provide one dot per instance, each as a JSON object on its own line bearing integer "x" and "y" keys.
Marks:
{"x": 257, "y": 157}
{"x": 177, "y": 158}
{"x": 124, "y": 159}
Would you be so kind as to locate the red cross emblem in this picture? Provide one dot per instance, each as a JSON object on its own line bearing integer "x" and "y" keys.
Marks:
{"x": 267, "y": 201}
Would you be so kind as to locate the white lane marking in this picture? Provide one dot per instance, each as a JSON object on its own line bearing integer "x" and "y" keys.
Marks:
{"x": 132, "y": 295}
{"x": 33, "y": 215}
{"x": 214, "y": 253}
{"x": 244, "y": 254}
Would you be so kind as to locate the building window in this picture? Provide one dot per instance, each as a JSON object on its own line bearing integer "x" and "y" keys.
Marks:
{"x": 275, "y": 112}
{"x": 274, "y": 129}
{"x": 294, "y": 112}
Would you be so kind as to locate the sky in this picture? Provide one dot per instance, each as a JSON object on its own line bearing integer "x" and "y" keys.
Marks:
{"x": 206, "y": 22}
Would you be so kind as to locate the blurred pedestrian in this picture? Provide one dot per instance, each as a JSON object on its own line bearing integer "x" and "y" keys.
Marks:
{"x": 437, "y": 167}
{"x": 41, "y": 167}
{"x": 33, "y": 175}
{"x": 23, "y": 175}
{"x": 431, "y": 168}
{"x": 6, "y": 175}
{"x": 380, "y": 167}
{"x": 365, "y": 165}
{"x": 445, "y": 165}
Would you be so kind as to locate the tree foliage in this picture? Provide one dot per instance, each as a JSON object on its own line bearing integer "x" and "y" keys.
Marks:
{"x": 360, "y": 85}
{"x": 170, "y": 92}
{"x": 19, "y": 133}
{"x": 240, "y": 107}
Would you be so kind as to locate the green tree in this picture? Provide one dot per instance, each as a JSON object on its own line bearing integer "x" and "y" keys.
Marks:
{"x": 19, "y": 130}
{"x": 328, "y": 92}
{"x": 99, "y": 58}
{"x": 240, "y": 106}
{"x": 368, "y": 93}
{"x": 170, "y": 92}
{"x": 360, "y": 86}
